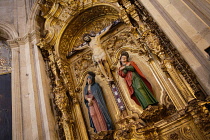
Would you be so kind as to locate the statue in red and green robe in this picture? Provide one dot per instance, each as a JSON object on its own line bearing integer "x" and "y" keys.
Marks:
{"x": 139, "y": 88}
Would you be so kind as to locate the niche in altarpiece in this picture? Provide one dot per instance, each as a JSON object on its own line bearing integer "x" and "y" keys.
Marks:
{"x": 117, "y": 40}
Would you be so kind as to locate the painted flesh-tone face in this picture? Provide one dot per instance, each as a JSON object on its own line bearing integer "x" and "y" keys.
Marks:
{"x": 89, "y": 81}
{"x": 123, "y": 59}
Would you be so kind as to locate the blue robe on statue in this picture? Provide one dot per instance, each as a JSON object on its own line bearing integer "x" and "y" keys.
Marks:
{"x": 98, "y": 95}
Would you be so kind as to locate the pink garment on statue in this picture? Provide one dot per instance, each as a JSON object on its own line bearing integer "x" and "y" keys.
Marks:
{"x": 96, "y": 115}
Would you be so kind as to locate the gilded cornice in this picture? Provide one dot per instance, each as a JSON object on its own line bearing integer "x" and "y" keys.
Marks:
{"x": 8, "y": 72}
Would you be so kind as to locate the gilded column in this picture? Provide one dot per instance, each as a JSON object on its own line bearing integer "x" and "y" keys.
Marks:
{"x": 154, "y": 47}
{"x": 61, "y": 100}
{"x": 59, "y": 91}
{"x": 80, "y": 120}
{"x": 165, "y": 83}
{"x": 185, "y": 92}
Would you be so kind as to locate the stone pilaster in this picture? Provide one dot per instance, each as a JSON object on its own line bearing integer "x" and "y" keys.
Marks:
{"x": 17, "y": 124}
{"x": 47, "y": 119}
{"x": 31, "y": 111}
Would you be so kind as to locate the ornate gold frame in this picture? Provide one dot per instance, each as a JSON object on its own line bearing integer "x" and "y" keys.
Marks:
{"x": 66, "y": 21}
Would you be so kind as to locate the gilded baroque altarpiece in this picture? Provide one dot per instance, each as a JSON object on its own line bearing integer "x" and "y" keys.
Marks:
{"x": 182, "y": 111}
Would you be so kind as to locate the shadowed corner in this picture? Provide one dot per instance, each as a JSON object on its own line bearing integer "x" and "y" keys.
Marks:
{"x": 72, "y": 53}
{"x": 207, "y": 50}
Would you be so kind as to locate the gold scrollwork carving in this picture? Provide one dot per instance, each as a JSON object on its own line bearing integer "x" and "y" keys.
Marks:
{"x": 144, "y": 38}
{"x": 43, "y": 44}
{"x": 169, "y": 50}
{"x": 72, "y": 38}
{"x": 81, "y": 65}
{"x": 201, "y": 115}
{"x": 61, "y": 100}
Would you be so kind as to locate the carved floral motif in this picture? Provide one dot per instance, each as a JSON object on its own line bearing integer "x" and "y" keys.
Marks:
{"x": 118, "y": 41}
{"x": 81, "y": 65}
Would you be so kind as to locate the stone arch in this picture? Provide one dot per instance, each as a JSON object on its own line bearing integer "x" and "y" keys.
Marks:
{"x": 33, "y": 21}
{"x": 7, "y": 31}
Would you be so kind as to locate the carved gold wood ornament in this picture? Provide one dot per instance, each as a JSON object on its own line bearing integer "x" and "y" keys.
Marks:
{"x": 175, "y": 85}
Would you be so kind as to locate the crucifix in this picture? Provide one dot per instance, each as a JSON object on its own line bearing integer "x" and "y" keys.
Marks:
{"x": 93, "y": 41}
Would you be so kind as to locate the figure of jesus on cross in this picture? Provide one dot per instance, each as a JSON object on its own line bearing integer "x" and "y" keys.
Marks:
{"x": 93, "y": 41}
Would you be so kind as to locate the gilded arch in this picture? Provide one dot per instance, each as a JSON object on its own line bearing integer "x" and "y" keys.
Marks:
{"x": 91, "y": 19}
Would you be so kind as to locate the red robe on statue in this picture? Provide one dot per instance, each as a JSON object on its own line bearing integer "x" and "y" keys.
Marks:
{"x": 128, "y": 78}
{"x": 96, "y": 115}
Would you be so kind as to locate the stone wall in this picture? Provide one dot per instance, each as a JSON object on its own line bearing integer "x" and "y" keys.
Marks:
{"x": 32, "y": 115}
{"x": 17, "y": 13}
{"x": 7, "y": 11}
